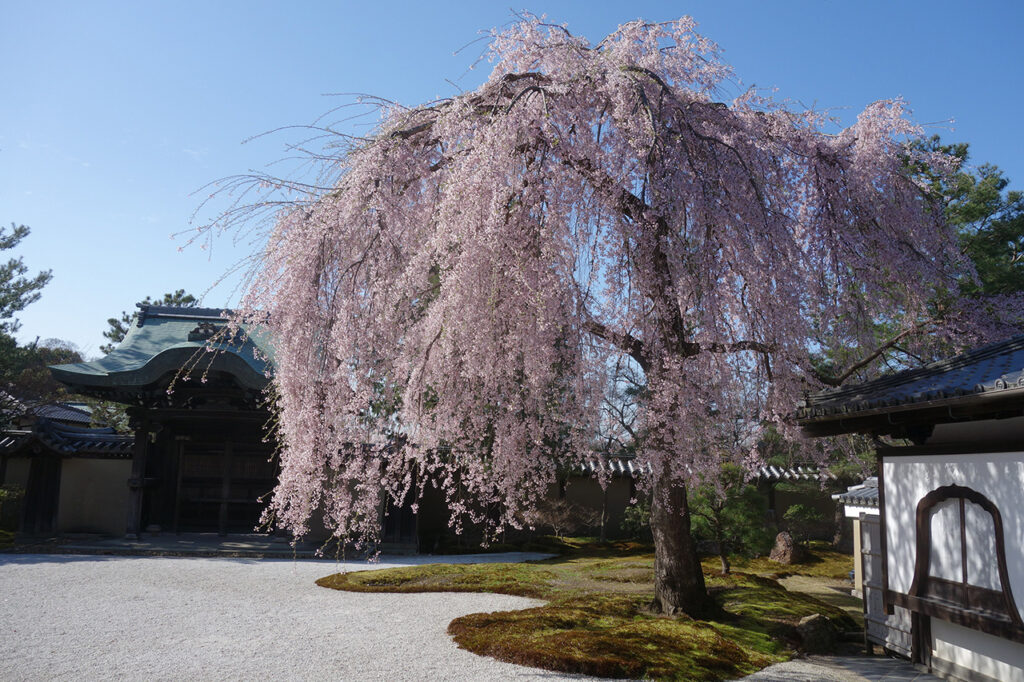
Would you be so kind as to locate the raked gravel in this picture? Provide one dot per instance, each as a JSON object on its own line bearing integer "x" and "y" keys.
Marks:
{"x": 175, "y": 618}
{"x": 171, "y": 618}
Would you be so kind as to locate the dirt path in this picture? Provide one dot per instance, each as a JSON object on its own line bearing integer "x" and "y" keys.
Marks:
{"x": 828, "y": 590}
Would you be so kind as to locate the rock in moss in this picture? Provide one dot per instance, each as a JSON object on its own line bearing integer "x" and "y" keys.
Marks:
{"x": 786, "y": 551}
{"x": 817, "y": 634}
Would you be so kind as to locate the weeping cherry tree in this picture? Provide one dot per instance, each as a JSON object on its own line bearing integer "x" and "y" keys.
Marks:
{"x": 446, "y": 309}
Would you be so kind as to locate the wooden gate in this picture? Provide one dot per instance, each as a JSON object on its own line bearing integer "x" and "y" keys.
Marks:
{"x": 220, "y": 486}
{"x": 891, "y": 632}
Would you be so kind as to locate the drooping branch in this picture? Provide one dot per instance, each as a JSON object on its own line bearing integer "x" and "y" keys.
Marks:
{"x": 837, "y": 380}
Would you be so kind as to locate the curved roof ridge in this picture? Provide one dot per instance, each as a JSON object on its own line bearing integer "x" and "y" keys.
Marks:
{"x": 167, "y": 339}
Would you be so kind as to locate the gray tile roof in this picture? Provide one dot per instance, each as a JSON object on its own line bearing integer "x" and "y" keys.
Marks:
{"x": 627, "y": 466}
{"x": 70, "y": 441}
{"x": 862, "y": 495}
{"x": 61, "y": 412}
{"x": 12, "y": 439}
{"x": 993, "y": 369}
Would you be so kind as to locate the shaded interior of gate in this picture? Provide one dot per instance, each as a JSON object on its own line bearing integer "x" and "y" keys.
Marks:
{"x": 200, "y": 478}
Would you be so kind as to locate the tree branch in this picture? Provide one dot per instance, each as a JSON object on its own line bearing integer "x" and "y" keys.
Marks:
{"x": 624, "y": 341}
{"x": 873, "y": 355}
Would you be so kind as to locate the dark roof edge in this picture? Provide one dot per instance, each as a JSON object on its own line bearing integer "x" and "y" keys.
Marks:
{"x": 171, "y": 360}
{"x": 909, "y": 375}
{"x": 148, "y": 311}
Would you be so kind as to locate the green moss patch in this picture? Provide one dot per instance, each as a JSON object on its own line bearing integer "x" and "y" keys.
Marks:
{"x": 610, "y": 638}
{"x": 822, "y": 562}
{"x": 523, "y": 580}
{"x": 597, "y": 621}
{"x": 6, "y": 539}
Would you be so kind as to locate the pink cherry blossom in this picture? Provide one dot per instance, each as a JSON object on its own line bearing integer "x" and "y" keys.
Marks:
{"x": 447, "y": 312}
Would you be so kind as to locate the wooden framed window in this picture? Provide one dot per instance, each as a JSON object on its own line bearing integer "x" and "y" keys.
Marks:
{"x": 960, "y": 573}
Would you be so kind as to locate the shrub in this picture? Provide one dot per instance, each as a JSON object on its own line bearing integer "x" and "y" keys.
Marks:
{"x": 636, "y": 521}
{"x": 801, "y": 520}
{"x": 10, "y": 506}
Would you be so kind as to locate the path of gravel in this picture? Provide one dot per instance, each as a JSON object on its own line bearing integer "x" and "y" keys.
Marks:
{"x": 93, "y": 617}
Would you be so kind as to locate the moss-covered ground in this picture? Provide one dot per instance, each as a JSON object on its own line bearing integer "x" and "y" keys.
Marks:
{"x": 596, "y": 620}
{"x": 6, "y": 539}
{"x": 821, "y": 562}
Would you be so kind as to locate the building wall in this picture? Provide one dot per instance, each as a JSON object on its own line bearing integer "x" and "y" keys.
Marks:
{"x": 858, "y": 561}
{"x": 94, "y": 496}
{"x": 17, "y": 471}
{"x": 1000, "y": 478}
{"x": 892, "y": 632}
{"x": 958, "y": 649}
{"x": 588, "y": 493}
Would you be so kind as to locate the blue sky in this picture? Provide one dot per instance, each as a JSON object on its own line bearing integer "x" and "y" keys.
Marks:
{"x": 115, "y": 114}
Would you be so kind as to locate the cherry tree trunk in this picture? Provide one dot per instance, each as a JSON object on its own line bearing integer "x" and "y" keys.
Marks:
{"x": 678, "y": 578}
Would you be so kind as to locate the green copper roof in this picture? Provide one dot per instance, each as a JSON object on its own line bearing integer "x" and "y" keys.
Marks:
{"x": 165, "y": 339}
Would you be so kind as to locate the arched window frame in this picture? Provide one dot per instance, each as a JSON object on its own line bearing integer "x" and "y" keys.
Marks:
{"x": 991, "y": 611}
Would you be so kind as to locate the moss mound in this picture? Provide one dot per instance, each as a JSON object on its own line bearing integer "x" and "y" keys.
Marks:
{"x": 597, "y": 622}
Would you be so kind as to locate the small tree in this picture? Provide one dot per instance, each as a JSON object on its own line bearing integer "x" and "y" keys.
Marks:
{"x": 564, "y": 517}
{"x": 636, "y": 520}
{"x": 802, "y": 520}
{"x": 25, "y": 378}
{"x": 732, "y": 513}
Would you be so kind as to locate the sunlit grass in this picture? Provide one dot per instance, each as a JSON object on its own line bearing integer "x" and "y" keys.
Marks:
{"x": 596, "y": 620}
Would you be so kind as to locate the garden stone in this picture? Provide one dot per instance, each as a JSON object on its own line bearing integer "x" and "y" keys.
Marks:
{"x": 817, "y": 634}
{"x": 786, "y": 551}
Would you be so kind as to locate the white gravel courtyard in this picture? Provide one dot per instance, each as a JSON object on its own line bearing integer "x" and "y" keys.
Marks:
{"x": 155, "y": 618}
{"x": 66, "y": 617}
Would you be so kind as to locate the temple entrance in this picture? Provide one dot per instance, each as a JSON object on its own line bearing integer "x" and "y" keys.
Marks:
{"x": 42, "y": 495}
{"x": 399, "y": 525}
{"x": 220, "y": 487}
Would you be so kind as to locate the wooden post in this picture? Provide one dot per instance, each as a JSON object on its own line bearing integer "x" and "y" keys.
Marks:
{"x": 136, "y": 482}
{"x": 225, "y": 491}
{"x": 180, "y": 454}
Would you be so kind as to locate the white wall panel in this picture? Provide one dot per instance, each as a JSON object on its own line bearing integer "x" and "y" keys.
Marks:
{"x": 998, "y": 476}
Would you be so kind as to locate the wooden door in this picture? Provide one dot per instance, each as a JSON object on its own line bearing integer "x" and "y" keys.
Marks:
{"x": 892, "y": 632}
{"x": 42, "y": 495}
{"x": 220, "y": 487}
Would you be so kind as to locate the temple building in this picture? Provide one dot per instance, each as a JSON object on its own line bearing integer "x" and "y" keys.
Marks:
{"x": 942, "y": 531}
{"x": 199, "y": 458}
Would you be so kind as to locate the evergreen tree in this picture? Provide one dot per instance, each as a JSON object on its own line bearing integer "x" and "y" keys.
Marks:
{"x": 16, "y": 290}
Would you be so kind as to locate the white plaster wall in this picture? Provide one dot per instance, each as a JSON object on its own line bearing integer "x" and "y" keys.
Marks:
{"x": 998, "y": 658}
{"x": 946, "y": 559}
{"x": 853, "y": 511}
{"x": 998, "y": 476}
{"x": 982, "y": 570}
